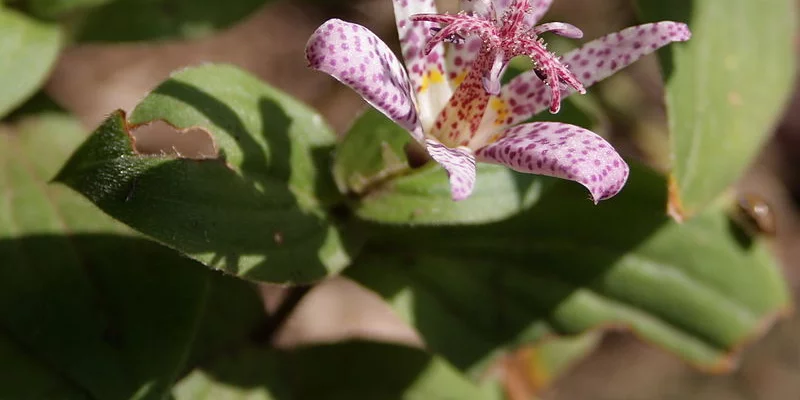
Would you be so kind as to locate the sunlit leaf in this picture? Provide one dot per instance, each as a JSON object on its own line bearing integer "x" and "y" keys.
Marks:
{"x": 371, "y": 165}
{"x": 257, "y": 210}
{"x": 725, "y": 89}
{"x": 28, "y": 50}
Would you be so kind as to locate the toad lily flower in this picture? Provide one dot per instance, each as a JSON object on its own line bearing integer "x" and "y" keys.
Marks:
{"x": 449, "y": 97}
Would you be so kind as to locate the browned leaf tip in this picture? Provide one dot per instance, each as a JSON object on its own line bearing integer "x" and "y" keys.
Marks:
{"x": 674, "y": 204}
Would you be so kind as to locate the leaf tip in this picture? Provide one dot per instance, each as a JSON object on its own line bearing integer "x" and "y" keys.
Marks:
{"x": 730, "y": 360}
{"x": 114, "y": 122}
{"x": 674, "y": 203}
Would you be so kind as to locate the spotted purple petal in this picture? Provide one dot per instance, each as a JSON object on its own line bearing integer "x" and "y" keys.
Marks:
{"x": 603, "y": 57}
{"x": 359, "y": 59}
{"x": 534, "y": 15}
{"x": 461, "y": 117}
{"x": 427, "y": 72}
{"x": 459, "y": 163}
{"x": 501, "y": 6}
{"x": 538, "y": 9}
{"x": 459, "y": 57}
{"x": 483, "y": 8}
{"x": 563, "y": 151}
{"x": 559, "y": 28}
{"x": 502, "y": 39}
{"x": 526, "y": 95}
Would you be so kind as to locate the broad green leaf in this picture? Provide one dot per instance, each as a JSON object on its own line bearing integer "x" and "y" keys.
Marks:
{"x": 372, "y": 166}
{"x": 423, "y": 197}
{"x": 58, "y": 8}
{"x": 372, "y": 152}
{"x": 257, "y": 211}
{"x": 26, "y": 377}
{"x": 349, "y": 370}
{"x": 28, "y": 49}
{"x": 88, "y": 309}
{"x": 133, "y": 20}
{"x": 566, "y": 266}
{"x": 725, "y": 89}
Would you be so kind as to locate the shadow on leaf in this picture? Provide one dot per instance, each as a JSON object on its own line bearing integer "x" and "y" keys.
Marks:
{"x": 254, "y": 212}
{"x": 567, "y": 266}
{"x": 107, "y": 316}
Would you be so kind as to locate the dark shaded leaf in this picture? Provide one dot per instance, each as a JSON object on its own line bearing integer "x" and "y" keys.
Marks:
{"x": 350, "y": 370}
{"x": 566, "y": 266}
{"x": 87, "y": 309}
{"x": 134, "y": 20}
{"x": 57, "y": 8}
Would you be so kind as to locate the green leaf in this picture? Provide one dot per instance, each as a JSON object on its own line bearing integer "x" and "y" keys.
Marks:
{"x": 372, "y": 152}
{"x": 371, "y": 164}
{"x": 423, "y": 197}
{"x": 31, "y": 378}
{"x": 531, "y": 370}
{"x": 726, "y": 87}
{"x": 57, "y": 8}
{"x": 134, "y": 20}
{"x": 567, "y": 266}
{"x": 257, "y": 211}
{"x": 39, "y": 103}
{"x": 28, "y": 50}
{"x": 87, "y": 309}
{"x": 349, "y": 370}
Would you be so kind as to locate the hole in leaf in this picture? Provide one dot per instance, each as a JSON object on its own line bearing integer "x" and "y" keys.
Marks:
{"x": 162, "y": 139}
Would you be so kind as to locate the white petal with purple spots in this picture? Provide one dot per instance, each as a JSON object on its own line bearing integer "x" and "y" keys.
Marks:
{"x": 559, "y": 28}
{"x": 356, "y": 57}
{"x": 501, "y": 6}
{"x": 480, "y": 7}
{"x": 459, "y": 163}
{"x": 563, "y": 151}
{"x": 504, "y": 38}
{"x": 427, "y": 72}
{"x": 462, "y": 126}
{"x": 538, "y": 9}
{"x": 526, "y": 95}
{"x": 459, "y": 56}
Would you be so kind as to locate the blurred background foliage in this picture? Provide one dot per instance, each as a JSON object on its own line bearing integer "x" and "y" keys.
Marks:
{"x": 91, "y": 309}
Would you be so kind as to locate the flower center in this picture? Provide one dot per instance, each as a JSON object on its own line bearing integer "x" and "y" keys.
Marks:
{"x": 505, "y": 37}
